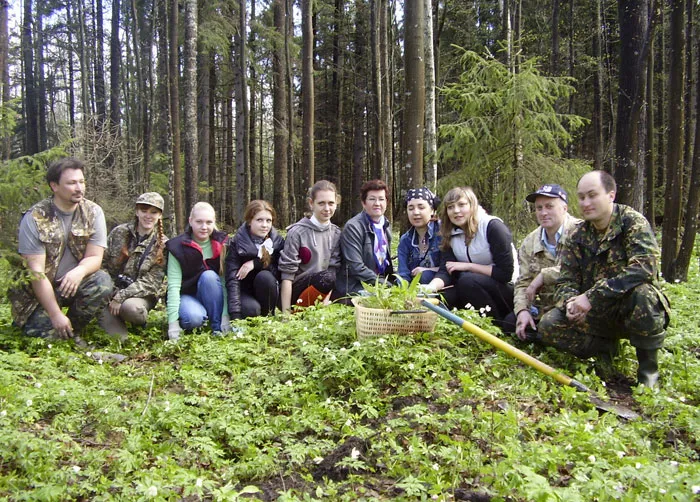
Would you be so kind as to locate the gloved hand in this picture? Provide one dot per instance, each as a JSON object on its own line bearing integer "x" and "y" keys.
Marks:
{"x": 225, "y": 323}
{"x": 425, "y": 289}
{"x": 174, "y": 330}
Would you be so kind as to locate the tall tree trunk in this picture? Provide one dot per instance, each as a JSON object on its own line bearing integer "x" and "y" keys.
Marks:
{"x": 691, "y": 211}
{"x": 430, "y": 155}
{"x": 554, "y": 65}
{"x": 242, "y": 115}
{"x": 40, "y": 77}
{"x": 213, "y": 164}
{"x": 635, "y": 36}
{"x": 115, "y": 65}
{"x": 378, "y": 150}
{"x": 359, "y": 152}
{"x": 338, "y": 89}
{"x": 308, "y": 171}
{"x": 100, "y": 87}
{"x": 256, "y": 174}
{"x": 190, "y": 105}
{"x": 4, "y": 69}
{"x": 414, "y": 125}
{"x": 280, "y": 116}
{"x": 204, "y": 91}
{"x": 688, "y": 91}
{"x": 650, "y": 150}
{"x": 598, "y": 90}
{"x": 174, "y": 81}
{"x": 30, "y": 104}
{"x": 673, "y": 198}
{"x": 288, "y": 38}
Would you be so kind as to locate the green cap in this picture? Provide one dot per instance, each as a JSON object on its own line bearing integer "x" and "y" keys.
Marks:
{"x": 151, "y": 199}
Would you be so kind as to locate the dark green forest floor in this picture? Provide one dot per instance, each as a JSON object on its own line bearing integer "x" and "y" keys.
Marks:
{"x": 301, "y": 409}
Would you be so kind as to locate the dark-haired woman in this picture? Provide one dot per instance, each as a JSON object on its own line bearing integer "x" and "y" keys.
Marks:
{"x": 419, "y": 248}
{"x": 134, "y": 259}
{"x": 478, "y": 256}
{"x": 251, "y": 263}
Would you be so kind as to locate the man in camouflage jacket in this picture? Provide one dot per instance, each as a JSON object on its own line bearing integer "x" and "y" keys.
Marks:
{"x": 608, "y": 285}
{"x": 538, "y": 258}
{"x": 62, "y": 239}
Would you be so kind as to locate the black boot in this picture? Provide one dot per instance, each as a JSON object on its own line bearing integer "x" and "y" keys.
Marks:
{"x": 648, "y": 371}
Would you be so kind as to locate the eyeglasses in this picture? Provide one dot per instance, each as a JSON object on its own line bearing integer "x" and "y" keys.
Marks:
{"x": 374, "y": 200}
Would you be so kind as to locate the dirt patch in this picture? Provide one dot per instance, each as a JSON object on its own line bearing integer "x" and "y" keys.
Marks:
{"x": 329, "y": 467}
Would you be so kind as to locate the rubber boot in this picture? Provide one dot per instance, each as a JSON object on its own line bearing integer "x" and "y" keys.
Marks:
{"x": 648, "y": 371}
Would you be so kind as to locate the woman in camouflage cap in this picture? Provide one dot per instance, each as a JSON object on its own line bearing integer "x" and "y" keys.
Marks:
{"x": 134, "y": 258}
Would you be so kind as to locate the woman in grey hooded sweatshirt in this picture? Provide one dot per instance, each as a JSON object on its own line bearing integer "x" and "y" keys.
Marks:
{"x": 311, "y": 254}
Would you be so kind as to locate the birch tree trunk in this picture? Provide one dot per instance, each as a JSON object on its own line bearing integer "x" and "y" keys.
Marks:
{"x": 308, "y": 171}
{"x": 430, "y": 140}
{"x": 174, "y": 81}
{"x": 190, "y": 105}
{"x": 279, "y": 110}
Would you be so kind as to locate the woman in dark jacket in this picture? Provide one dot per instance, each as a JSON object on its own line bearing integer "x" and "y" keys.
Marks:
{"x": 251, "y": 263}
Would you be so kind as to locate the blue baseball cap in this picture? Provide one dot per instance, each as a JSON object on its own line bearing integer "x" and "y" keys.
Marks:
{"x": 553, "y": 191}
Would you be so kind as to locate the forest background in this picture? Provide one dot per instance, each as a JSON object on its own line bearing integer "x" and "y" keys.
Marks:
{"x": 229, "y": 100}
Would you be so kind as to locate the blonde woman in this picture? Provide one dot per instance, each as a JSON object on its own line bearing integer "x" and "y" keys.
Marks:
{"x": 477, "y": 256}
{"x": 135, "y": 260}
{"x": 195, "y": 291}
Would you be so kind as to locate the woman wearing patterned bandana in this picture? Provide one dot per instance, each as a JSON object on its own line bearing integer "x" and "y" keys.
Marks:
{"x": 251, "y": 263}
{"x": 419, "y": 248}
{"x": 134, "y": 258}
{"x": 311, "y": 254}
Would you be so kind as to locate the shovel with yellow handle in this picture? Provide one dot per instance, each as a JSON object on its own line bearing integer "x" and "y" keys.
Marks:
{"x": 560, "y": 377}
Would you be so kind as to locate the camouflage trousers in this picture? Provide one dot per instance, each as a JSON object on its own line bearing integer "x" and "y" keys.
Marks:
{"x": 87, "y": 303}
{"x": 641, "y": 315}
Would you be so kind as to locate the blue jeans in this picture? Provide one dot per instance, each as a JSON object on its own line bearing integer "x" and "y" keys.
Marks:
{"x": 207, "y": 304}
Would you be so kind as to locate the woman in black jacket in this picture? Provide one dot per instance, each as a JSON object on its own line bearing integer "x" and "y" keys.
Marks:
{"x": 251, "y": 263}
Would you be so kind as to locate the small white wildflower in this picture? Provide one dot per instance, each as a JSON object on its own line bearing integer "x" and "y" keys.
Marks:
{"x": 487, "y": 308}
{"x": 669, "y": 400}
{"x": 274, "y": 331}
{"x": 604, "y": 384}
{"x": 328, "y": 400}
{"x": 468, "y": 306}
{"x": 3, "y": 413}
{"x": 306, "y": 329}
{"x": 333, "y": 358}
{"x": 436, "y": 467}
{"x": 318, "y": 460}
{"x": 410, "y": 448}
{"x": 638, "y": 465}
{"x": 62, "y": 393}
{"x": 620, "y": 454}
{"x": 100, "y": 361}
{"x": 356, "y": 344}
{"x": 454, "y": 309}
{"x": 355, "y": 453}
{"x": 89, "y": 354}
{"x": 483, "y": 314}
{"x": 609, "y": 430}
{"x": 381, "y": 341}
{"x": 434, "y": 496}
{"x": 288, "y": 383}
{"x": 269, "y": 322}
{"x": 106, "y": 411}
{"x": 76, "y": 468}
{"x": 152, "y": 491}
{"x": 568, "y": 447}
{"x": 167, "y": 406}
{"x": 326, "y": 349}
{"x": 246, "y": 413}
{"x": 29, "y": 402}
{"x": 676, "y": 281}
{"x": 695, "y": 489}
{"x": 673, "y": 463}
{"x": 482, "y": 310}
{"x": 102, "y": 393}
{"x": 37, "y": 385}
{"x": 343, "y": 349}
{"x": 348, "y": 422}
{"x": 119, "y": 398}
{"x": 388, "y": 429}
{"x": 591, "y": 459}
{"x": 682, "y": 399}
{"x": 199, "y": 483}
{"x": 411, "y": 366}
{"x": 662, "y": 491}
{"x": 434, "y": 375}
{"x": 588, "y": 427}
{"x": 304, "y": 343}
{"x": 300, "y": 300}
{"x": 320, "y": 326}
{"x": 49, "y": 345}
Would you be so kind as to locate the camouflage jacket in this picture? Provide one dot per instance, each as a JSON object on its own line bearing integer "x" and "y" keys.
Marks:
{"x": 611, "y": 265}
{"x": 51, "y": 233}
{"x": 534, "y": 258}
{"x": 145, "y": 272}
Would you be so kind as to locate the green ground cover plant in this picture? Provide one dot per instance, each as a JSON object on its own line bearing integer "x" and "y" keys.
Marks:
{"x": 299, "y": 408}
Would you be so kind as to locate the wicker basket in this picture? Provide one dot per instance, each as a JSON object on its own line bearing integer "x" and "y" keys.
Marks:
{"x": 371, "y": 322}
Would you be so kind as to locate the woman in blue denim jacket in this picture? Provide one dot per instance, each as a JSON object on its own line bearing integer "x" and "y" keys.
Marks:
{"x": 419, "y": 248}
